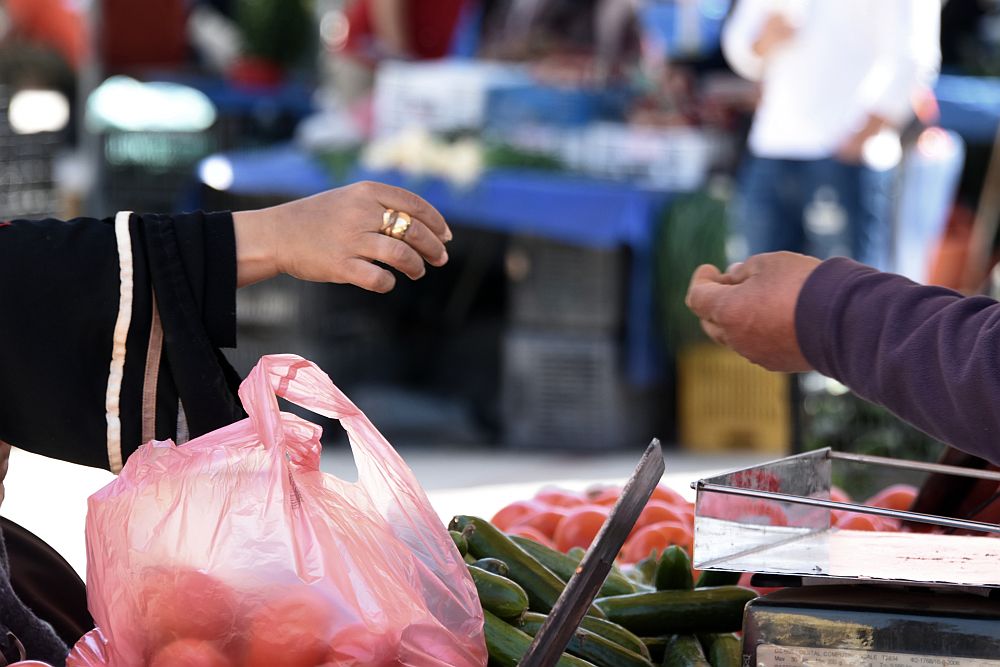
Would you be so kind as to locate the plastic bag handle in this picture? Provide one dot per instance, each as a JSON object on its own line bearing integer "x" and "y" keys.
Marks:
{"x": 305, "y": 384}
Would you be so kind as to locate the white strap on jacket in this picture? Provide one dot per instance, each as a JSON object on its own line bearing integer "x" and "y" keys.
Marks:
{"x": 112, "y": 400}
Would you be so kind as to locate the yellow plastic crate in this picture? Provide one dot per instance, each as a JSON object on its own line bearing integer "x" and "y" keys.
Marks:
{"x": 726, "y": 403}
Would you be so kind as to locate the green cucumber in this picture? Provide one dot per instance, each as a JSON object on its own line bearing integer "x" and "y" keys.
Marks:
{"x": 637, "y": 578}
{"x": 577, "y": 552}
{"x": 713, "y": 578}
{"x": 723, "y": 650}
{"x": 494, "y": 565}
{"x": 673, "y": 572}
{"x": 615, "y": 633}
{"x": 679, "y": 612}
{"x": 683, "y": 651}
{"x": 460, "y": 543}
{"x": 498, "y": 594}
{"x": 589, "y": 645}
{"x": 541, "y": 584}
{"x": 507, "y": 645}
{"x": 564, "y": 566}
{"x": 647, "y": 568}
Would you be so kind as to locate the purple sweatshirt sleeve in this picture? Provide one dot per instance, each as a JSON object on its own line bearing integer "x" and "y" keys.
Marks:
{"x": 928, "y": 354}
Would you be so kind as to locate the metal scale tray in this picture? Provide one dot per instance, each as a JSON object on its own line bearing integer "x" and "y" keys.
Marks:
{"x": 775, "y": 518}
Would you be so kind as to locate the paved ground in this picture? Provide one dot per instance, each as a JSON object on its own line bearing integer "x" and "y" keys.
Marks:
{"x": 49, "y": 497}
{"x": 455, "y": 468}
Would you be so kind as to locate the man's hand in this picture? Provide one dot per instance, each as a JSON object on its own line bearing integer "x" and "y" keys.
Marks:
{"x": 751, "y": 307}
{"x": 852, "y": 150}
{"x": 775, "y": 32}
{"x": 335, "y": 237}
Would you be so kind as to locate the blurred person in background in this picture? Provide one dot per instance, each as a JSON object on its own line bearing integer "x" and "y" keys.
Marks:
{"x": 56, "y": 24}
{"x": 380, "y": 30}
{"x": 838, "y": 81}
{"x": 568, "y": 42}
{"x": 110, "y": 332}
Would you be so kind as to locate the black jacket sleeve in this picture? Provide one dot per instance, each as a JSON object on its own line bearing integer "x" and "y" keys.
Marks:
{"x": 64, "y": 286}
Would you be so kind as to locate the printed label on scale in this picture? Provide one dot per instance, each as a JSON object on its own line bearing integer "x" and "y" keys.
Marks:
{"x": 769, "y": 655}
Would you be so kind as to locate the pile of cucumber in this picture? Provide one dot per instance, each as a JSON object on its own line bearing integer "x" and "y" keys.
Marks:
{"x": 653, "y": 615}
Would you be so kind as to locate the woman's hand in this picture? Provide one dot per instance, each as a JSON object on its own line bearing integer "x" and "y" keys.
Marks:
{"x": 335, "y": 237}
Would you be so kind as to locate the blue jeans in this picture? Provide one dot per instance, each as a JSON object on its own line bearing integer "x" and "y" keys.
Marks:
{"x": 819, "y": 207}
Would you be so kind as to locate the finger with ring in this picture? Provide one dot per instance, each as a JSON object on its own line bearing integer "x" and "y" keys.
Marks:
{"x": 389, "y": 217}
{"x": 400, "y": 226}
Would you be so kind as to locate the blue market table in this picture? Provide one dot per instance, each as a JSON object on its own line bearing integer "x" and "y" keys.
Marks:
{"x": 568, "y": 208}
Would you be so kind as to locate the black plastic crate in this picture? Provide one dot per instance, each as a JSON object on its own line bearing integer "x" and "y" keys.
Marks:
{"x": 27, "y": 188}
{"x": 348, "y": 360}
{"x": 339, "y": 327}
{"x": 282, "y": 303}
{"x": 252, "y": 344}
{"x": 554, "y": 284}
{"x": 567, "y": 391}
{"x": 150, "y": 171}
{"x": 211, "y": 199}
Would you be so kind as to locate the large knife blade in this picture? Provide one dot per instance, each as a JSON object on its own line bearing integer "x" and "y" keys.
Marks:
{"x": 582, "y": 588}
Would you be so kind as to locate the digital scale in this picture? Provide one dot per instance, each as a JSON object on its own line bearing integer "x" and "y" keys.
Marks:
{"x": 851, "y": 598}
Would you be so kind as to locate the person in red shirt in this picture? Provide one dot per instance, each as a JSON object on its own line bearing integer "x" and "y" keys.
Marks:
{"x": 53, "y": 23}
{"x": 409, "y": 29}
{"x": 390, "y": 29}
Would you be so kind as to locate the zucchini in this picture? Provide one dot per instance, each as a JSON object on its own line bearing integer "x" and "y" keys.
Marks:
{"x": 485, "y": 541}
{"x": 723, "y": 650}
{"x": 498, "y": 594}
{"x": 494, "y": 565}
{"x": 647, "y": 568}
{"x": 564, "y": 566}
{"x": 636, "y": 577}
{"x": 577, "y": 552}
{"x": 712, "y": 578}
{"x": 589, "y": 645}
{"x": 683, "y": 651}
{"x": 615, "y": 633}
{"x": 460, "y": 543}
{"x": 506, "y": 645}
{"x": 679, "y": 612}
{"x": 673, "y": 572}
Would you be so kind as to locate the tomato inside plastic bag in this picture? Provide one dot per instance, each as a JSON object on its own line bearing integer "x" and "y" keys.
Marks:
{"x": 235, "y": 550}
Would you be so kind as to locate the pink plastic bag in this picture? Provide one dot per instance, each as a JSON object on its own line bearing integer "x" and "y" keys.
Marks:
{"x": 236, "y": 550}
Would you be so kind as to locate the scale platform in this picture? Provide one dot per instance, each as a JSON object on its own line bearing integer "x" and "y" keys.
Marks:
{"x": 775, "y": 518}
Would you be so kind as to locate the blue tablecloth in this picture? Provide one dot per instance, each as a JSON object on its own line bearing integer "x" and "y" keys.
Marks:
{"x": 290, "y": 97}
{"x": 567, "y": 208}
{"x": 969, "y": 105}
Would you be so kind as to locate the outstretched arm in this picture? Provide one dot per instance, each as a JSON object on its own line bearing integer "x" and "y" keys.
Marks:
{"x": 927, "y": 354}
{"x": 110, "y": 329}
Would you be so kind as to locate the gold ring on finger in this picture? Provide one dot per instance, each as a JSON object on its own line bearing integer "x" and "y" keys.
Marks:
{"x": 388, "y": 220}
{"x": 400, "y": 226}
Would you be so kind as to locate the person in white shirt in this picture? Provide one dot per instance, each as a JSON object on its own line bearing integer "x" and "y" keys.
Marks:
{"x": 838, "y": 80}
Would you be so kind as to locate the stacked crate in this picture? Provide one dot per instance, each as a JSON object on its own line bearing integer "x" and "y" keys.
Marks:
{"x": 149, "y": 170}
{"x": 27, "y": 188}
{"x": 563, "y": 384}
{"x": 726, "y": 403}
{"x": 342, "y": 328}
